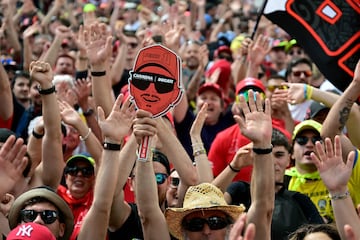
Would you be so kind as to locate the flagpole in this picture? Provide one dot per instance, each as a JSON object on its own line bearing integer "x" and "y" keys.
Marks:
{"x": 258, "y": 19}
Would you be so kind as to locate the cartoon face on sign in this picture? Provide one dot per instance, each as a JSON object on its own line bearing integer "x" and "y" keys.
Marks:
{"x": 155, "y": 81}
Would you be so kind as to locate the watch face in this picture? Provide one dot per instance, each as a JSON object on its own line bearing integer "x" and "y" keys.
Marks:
{"x": 155, "y": 81}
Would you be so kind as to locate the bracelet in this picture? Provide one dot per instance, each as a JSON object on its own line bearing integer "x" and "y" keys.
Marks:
{"x": 309, "y": 90}
{"x": 199, "y": 152}
{"x": 86, "y": 136}
{"x": 37, "y": 135}
{"x": 46, "y": 91}
{"x": 98, "y": 74}
{"x": 112, "y": 146}
{"x": 233, "y": 169}
{"x": 83, "y": 58}
{"x": 221, "y": 20}
{"x": 263, "y": 151}
{"x": 340, "y": 196}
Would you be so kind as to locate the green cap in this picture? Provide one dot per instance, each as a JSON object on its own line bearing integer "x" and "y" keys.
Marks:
{"x": 306, "y": 125}
{"x": 89, "y": 7}
{"x": 80, "y": 157}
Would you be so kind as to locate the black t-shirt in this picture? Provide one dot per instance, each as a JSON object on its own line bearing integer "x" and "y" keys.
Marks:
{"x": 124, "y": 80}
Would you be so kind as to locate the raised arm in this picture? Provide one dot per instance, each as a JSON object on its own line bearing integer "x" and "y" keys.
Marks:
{"x": 52, "y": 159}
{"x": 335, "y": 174}
{"x": 256, "y": 126}
{"x": 115, "y": 127}
{"x": 7, "y": 109}
{"x": 152, "y": 219}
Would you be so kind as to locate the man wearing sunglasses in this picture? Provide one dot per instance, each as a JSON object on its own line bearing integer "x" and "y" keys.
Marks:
{"x": 304, "y": 177}
{"x": 299, "y": 70}
{"x": 43, "y": 206}
{"x": 80, "y": 179}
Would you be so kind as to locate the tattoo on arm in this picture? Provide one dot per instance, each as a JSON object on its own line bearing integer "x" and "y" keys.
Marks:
{"x": 344, "y": 113}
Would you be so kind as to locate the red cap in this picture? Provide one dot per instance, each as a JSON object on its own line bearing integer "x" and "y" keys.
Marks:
{"x": 250, "y": 83}
{"x": 30, "y": 231}
{"x": 212, "y": 87}
{"x": 222, "y": 48}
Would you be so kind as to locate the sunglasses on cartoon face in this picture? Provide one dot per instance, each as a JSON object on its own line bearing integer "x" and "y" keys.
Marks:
{"x": 48, "y": 216}
{"x": 303, "y": 140}
{"x": 307, "y": 73}
{"x": 85, "y": 171}
{"x": 197, "y": 224}
{"x": 162, "y": 83}
{"x": 160, "y": 178}
{"x": 246, "y": 95}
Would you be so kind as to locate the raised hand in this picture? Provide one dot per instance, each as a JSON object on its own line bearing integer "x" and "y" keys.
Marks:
{"x": 12, "y": 163}
{"x": 117, "y": 125}
{"x": 243, "y": 157}
{"x": 256, "y": 122}
{"x": 6, "y": 202}
{"x": 295, "y": 93}
{"x": 237, "y": 231}
{"x": 333, "y": 171}
{"x": 196, "y": 127}
{"x": 144, "y": 125}
{"x": 259, "y": 49}
{"x": 83, "y": 90}
{"x": 41, "y": 72}
{"x": 68, "y": 114}
{"x": 98, "y": 42}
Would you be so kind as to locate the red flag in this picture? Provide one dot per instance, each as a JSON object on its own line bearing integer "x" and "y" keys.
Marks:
{"x": 329, "y": 31}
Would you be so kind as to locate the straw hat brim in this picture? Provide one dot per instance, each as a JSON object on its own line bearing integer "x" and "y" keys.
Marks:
{"x": 18, "y": 205}
{"x": 174, "y": 216}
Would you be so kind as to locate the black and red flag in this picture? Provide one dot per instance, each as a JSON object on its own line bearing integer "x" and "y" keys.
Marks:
{"x": 328, "y": 30}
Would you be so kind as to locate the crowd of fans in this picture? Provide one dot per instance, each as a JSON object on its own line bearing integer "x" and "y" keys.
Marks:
{"x": 260, "y": 146}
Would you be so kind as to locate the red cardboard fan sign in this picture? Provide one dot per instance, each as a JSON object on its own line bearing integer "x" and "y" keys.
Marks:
{"x": 155, "y": 83}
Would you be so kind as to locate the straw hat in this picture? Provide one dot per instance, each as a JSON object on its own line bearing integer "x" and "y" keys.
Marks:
{"x": 204, "y": 196}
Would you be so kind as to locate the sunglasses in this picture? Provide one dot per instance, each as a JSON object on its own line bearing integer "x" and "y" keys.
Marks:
{"x": 162, "y": 83}
{"x": 48, "y": 216}
{"x": 298, "y": 52}
{"x": 133, "y": 45}
{"x": 175, "y": 182}
{"x": 160, "y": 178}
{"x": 246, "y": 95}
{"x": 197, "y": 224}
{"x": 302, "y": 140}
{"x": 272, "y": 88}
{"x": 85, "y": 171}
{"x": 306, "y": 73}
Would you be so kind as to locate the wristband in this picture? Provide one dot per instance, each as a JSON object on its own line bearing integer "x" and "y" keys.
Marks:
{"x": 309, "y": 90}
{"x": 340, "y": 196}
{"x": 86, "y": 136}
{"x": 46, "y": 91}
{"x": 88, "y": 112}
{"x": 37, "y": 135}
{"x": 199, "y": 152}
{"x": 98, "y": 74}
{"x": 233, "y": 169}
{"x": 263, "y": 151}
{"x": 111, "y": 146}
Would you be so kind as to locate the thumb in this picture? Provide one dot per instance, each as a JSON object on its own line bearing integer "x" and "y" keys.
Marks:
{"x": 101, "y": 114}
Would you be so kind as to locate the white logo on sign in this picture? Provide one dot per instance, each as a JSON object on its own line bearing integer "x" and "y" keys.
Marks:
{"x": 25, "y": 231}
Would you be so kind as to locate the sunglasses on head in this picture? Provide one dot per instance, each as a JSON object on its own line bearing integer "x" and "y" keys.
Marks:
{"x": 272, "y": 88}
{"x": 48, "y": 216}
{"x": 160, "y": 178}
{"x": 197, "y": 224}
{"x": 132, "y": 45}
{"x": 85, "y": 171}
{"x": 162, "y": 83}
{"x": 246, "y": 95}
{"x": 302, "y": 140}
{"x": 306, "y": 73}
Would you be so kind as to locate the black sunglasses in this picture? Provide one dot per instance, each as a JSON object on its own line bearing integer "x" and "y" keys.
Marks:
{"x": 160, "y": 178}
{"x": 132, "y": 45}
{"x": 298, "y": 52}
{"x": 162, "y": 83}
{"x": 175, "y": 182}
{"x": 48, "y": 216}
{"x": 197, "y": 224}
{"x": 85, "y": 171}
{"x": 302, "y": 140}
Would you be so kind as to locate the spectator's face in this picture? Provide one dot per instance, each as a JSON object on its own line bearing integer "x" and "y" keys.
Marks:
{"x": 300, "y": 73}
{"x": 303, "y": 146}
{"x": 214, "y": 106}
{"x": 162, "y": 188}
{"x": 71, "y": 140}
{"x": 205, "y": 232}
{"x": 64, "y": 65}
{"x": 281, "y": 159}
{"x": 80, "y": 178}
{"x": 56, "y": 227}
{"x": 21, "y": 88}
{"x": 130, "y": 15}
{"x": 272, "y": 84}
{"x": 295, "y": 52}
{"x": 277, "y": 55}
{"x": 192, "y": 56}
{"x": 172, "y": 192}
{"x": 132, "y": 47}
